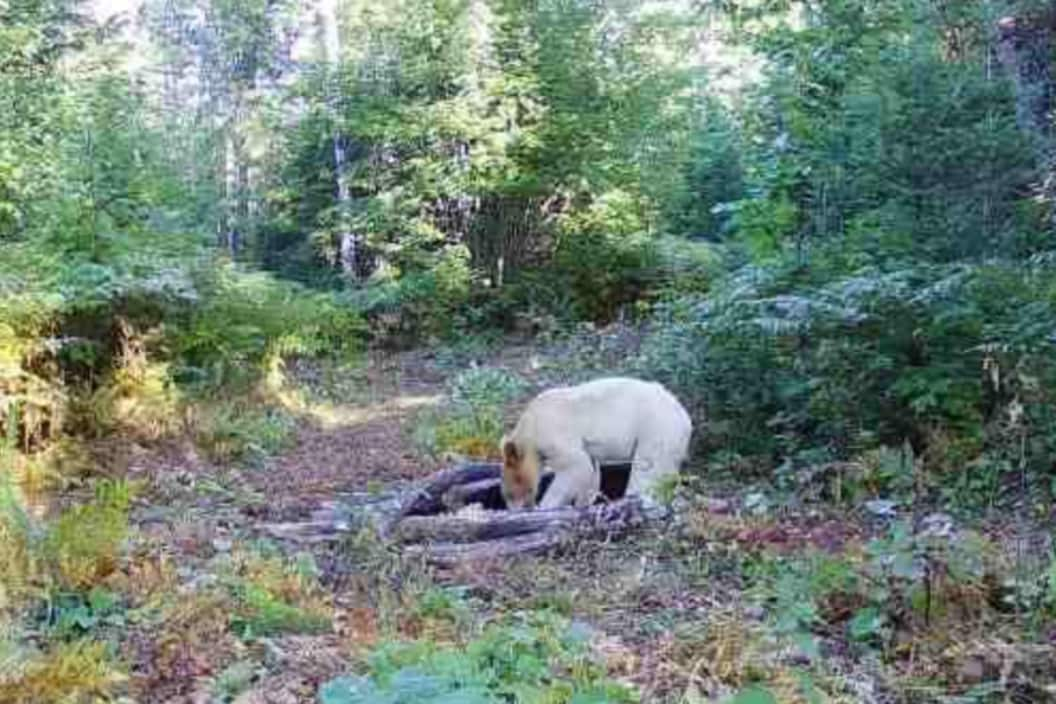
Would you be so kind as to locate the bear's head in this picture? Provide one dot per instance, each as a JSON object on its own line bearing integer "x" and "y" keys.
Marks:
{"x": 520, "y": 475}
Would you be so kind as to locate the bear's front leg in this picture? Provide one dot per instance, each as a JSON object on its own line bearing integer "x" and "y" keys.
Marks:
{"x": 653, "y": 462}
{"x": 576, "y": 481}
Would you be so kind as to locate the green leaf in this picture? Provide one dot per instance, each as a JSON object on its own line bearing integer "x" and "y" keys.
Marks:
{"x": 866, "y": 623}
{"x": 754, "y": 695}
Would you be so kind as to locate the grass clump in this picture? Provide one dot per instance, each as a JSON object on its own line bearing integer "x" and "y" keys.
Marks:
{"x": 233, "y": 680}
{"x": 232, "y": 431}
{"x": 21, "y": 566}
{"x": 140, "y": 401}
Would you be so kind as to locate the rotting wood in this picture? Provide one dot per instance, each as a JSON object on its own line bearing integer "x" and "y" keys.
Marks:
{"x": 307, "y": 531}
{"x": 451, "y": 554}
{"x": 492, "y": 525}
{"x": 429, "y": 499}
{"x": 451, "y": 517}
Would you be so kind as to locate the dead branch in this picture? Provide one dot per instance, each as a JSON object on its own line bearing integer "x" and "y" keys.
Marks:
{"x": 469, "y": 526}
{"x": 450, "y": 554}
{"x": 429, "y": 499}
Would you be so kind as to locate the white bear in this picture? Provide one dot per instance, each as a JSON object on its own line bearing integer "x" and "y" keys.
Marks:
{"x": 573, "y": 430}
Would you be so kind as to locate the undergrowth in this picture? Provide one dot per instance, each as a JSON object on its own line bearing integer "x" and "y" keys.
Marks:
{"x": 791, "y": 370}
{"x": 525, "y": 657}
{"x": 471, "y": 420}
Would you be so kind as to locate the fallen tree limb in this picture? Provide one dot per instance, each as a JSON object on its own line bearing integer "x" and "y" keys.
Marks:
{"x": 429, "y": 499}
{"x": 468, "y": 526}
{"x": 451, "y": 554}
{"x": 458, "y": 515}
{"x": 307, "y": 531}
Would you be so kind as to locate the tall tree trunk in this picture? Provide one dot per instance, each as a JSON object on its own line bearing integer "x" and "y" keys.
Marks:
{"x": 1025, "y": 46}
{"x": 348, "y": 242}
{"x": 234, "y": 193}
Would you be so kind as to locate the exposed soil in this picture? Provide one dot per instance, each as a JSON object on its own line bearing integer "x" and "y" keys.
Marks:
{"x": 325, "y": 461}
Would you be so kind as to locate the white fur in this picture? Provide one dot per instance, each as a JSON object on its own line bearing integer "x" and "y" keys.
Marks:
{"x": 609, "y": 420}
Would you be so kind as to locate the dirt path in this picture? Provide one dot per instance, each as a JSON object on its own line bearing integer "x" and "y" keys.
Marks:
{"x": 359, "y": 437}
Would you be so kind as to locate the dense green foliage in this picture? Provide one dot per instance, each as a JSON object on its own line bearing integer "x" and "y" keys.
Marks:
{"x": 888, "y": 262}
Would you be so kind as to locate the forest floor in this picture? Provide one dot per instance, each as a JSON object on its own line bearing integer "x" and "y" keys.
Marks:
{"x": 353, "y": 433}
{"x": 671, "y": 610}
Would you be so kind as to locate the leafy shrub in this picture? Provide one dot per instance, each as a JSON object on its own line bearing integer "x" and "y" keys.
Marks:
{"x": 263, "y": 613}
{"x": 797, "y": 589}
{"x": 85, "y": 542}
{"x": 764, "y": 224}
{"x": 78, "y": 614}
{"x": 92, "y": 345}
{"x": 274, "y": 596}
{"x": 422, "y": 302}
{"x": 246, "y": 322}
{"x": 606, "y": 255}
{"x": 471, "y": 422}
{"x": 917, "y": 582}
{"x": 785, "y": 367}
{"x": 533, "y": 656}
{"x": 233, "y": 431}
{"x": 61, "y": 464}
{"x": 235, "y": 679}
{"x": 687, "y": 266}
{"x": 926, "y": 579}
{"x": 191, "y": 639}
{"x": 484, "y": 387}
{"x": 142, "y": 403}
{"x": 77, "y": 671}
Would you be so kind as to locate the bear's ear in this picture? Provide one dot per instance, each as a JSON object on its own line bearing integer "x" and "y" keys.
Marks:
{"x": 510, "y": 451}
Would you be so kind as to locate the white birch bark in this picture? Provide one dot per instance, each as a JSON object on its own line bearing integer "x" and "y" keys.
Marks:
{"x": 347, "y": 241}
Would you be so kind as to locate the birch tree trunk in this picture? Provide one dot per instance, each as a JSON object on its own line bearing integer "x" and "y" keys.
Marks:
{"x": 234, "y": 182}
{"x": 348, "y": 242}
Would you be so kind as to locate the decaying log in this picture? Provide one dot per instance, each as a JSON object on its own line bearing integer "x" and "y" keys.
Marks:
{"x": 479, "y": 482}
{"x": 497, "y": 536}
{"x": 429, "y": 499}
{"x": 458, "y": 515}
{"x": 307, "y": 531}
{"x": 451, "y": 554}
{"x": 468, "y": 526}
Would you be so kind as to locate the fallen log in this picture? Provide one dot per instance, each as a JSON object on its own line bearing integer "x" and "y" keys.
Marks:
{"x": 429, "y": 499}
{"x": 480, "y": 482}
{"x": 459, "y": 515}
{"x": 307, "y": 531}
{"x": 469, "y": 525}
{"x": 451, "y": 554}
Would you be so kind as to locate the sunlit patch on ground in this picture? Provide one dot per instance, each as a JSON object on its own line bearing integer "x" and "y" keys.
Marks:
{"x": 328, "y": 415}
